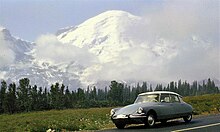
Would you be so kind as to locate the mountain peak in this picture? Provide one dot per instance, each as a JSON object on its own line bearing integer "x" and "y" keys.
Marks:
{"x": 111, "y": 15}
{"x": 109, "y": 25}
{"x": 115, "y": 13}
{"x": 5, "y": 32}
{"x": 2, "y": 28}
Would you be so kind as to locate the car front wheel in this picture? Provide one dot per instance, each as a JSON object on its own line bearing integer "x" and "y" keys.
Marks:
{"x": 187, "y": 118}
{"x": 120, "y": 125}
{"x": 150, "y": 121}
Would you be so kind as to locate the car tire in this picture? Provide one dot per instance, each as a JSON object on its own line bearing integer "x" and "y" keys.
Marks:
{"x": 120, "y": 125}
{"x": 187, "y": 118}
{"x": 150, "y": 120}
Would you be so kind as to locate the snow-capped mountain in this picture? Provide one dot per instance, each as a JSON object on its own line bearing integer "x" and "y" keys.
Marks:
{"x": 110, "y": 37}
{"x": 25, "y": 64}
{"x": 109, "y": 46}
{"x": 104, "y": 35}
{"x": 17, "y": 45}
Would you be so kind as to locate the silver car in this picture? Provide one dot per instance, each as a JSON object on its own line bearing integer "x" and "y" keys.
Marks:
{"x": 151, "y": 107}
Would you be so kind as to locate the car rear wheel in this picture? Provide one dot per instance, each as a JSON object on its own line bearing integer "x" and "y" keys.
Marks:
{"x": 120, "y": 125}
{"x": 187, "y": 118}
{"x": 150, "y": 121}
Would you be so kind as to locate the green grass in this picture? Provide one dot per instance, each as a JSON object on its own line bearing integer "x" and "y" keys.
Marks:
{"x": 204, "y": 104}
{"x": 59, "y": 120}
{"x": 87, "y": 119}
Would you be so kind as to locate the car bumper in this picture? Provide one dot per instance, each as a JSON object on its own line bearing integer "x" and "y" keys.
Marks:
{"x": 129, "y": 119}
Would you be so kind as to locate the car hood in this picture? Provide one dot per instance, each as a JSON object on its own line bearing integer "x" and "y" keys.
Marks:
{"x": 131, "y": 109}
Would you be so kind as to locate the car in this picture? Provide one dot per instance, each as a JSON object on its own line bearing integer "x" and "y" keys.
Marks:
{"x": 152, "y": 107}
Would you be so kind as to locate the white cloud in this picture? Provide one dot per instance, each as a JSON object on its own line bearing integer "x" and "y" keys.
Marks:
{"x": 49, "y": 49}
{"x": 7, "y": 55}
{"x": 190, "y": 47}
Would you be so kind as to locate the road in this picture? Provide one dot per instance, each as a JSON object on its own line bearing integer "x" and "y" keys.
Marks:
{"x": 199, "y": 124}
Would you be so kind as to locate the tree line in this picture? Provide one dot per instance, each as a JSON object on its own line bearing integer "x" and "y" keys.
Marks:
{"x": 25, "y": 98}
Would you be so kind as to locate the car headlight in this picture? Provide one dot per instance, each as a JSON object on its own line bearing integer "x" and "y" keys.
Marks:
{"x": 140, "y": 110}
{"x": 112, "y": 112}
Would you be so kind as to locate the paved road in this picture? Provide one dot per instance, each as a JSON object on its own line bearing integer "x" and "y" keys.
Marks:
{"x": 200, "y": 124}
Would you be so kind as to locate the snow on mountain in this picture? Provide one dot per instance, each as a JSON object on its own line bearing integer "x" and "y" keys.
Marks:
{"x": 26, "y": 65}
{"x": 103, "y": 34}
{"x": 108, "y": 36}
{"x": 19, "y": 46}
{"x": 109, "y": 46}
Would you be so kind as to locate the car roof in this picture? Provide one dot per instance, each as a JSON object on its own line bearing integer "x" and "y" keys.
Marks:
{"x": 159, "y": 92}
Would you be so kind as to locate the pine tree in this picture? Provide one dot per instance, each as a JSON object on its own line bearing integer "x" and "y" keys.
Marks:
{"x": 116, "y": 92}
{"x": 93, "y": 94}
{"x": 67, "y": 102}
{"x": 2, "y": 95}
{"x": 144, "y": 87}
{"x": 10, "y": 99}
{"x": 55, "y": 96}
{"x": 172, "y": 87}
{"x": 23, "y": 95}
{"x": 34, "y": 98}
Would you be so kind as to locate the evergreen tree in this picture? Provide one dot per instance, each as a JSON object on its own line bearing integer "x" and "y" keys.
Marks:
{"x": 93, "y": 94}
{"x": 151, "y": 89}
{"x": 144, "y": 87}
{"x": 138, "y": 89}
{"x": 194, "y": 88}
{"x": 10, "y": 99}
{"x": 68, "y": 101}
{"x": 172, "y": 87}
{"x": 55, "y": 96}
{"x": 81, "y": 98}
{"x": 2, "y": 95}
{"x": 34, "y": 98}
{"x": 23, "y": 95}
{"x": 115, "y": 92}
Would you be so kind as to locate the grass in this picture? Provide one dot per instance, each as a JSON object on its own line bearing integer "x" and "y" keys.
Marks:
{"x": 204, "y": 104}
{"x": 58, "y": 120}
{"x": 87, "y": 119}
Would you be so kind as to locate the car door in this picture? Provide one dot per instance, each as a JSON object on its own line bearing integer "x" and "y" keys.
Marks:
{"x": 166, "y": 107}
{"x": 177, "y": 105}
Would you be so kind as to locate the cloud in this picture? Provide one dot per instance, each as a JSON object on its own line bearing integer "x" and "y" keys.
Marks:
{"x": 196, "y": 61}
{"x": 192, "y": 29}
{"x": 179, "y": 40}
{"x": 136, "y": 63}
{"x": 7, "y": 56}
{"x": 49, "y": 49}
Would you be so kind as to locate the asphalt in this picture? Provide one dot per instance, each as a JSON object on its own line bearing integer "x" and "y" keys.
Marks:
{"x": 198, "y": 124}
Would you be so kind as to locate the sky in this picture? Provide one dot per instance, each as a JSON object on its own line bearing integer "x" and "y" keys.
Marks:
{"x": 191, "y": 27}
{"x": 29, "y": 19}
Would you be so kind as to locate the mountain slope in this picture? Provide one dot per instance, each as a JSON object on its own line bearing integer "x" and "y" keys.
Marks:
{"x": 103, "y": 34}
{"x": 24, "y": 64}
{"x": 110, "y": 37}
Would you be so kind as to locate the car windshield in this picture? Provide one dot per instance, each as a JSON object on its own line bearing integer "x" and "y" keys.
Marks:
{"x": 147, "y": 98}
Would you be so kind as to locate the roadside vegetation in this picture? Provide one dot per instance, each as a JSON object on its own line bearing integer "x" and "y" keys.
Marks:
{"x": 87, "y": 119}
{"x": 58, "y": 120}
{"x": 204, "y": 104}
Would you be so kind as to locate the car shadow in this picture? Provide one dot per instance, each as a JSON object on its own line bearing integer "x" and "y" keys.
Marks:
{"x": 161, "y": 125}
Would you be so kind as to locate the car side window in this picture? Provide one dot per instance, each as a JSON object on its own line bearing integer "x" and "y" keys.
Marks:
{"x": 174, "y": 98}
{"x": 165, "y": 98}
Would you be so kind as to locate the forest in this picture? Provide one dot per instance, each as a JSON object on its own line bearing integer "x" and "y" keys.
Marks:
{"x": 25, "y": 98}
